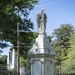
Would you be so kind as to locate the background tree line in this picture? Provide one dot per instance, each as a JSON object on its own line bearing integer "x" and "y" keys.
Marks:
{"x": 64, "y": 46}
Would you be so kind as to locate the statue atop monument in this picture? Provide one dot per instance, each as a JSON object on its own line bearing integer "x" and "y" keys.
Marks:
{"x": 41, "y": 19}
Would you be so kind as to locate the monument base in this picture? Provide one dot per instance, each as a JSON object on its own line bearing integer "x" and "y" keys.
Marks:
{"x": 42, "y": 66}
{"x": 41, "y": 57}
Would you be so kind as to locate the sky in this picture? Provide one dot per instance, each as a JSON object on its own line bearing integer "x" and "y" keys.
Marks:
{"x": 58, "y": 12}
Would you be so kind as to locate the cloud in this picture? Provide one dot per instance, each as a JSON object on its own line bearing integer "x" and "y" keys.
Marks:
{"x": 50, "y": 3}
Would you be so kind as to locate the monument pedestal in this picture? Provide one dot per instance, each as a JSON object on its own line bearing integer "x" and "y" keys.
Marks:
{"x": 42, "y": 57}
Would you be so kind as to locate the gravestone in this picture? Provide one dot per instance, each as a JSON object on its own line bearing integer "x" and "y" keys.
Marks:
{"x": 41, "y": 54}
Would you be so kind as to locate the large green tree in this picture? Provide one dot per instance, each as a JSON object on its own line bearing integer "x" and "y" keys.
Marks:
{"x": 69, "y": 63}
{"x": 9, "y": 11}
{"x": 61, "y": 42}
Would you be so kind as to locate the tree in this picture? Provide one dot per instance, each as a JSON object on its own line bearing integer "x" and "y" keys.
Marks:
{"x": 26, "y": 64}
{"x": 0, "y": 52}
{"x": 50, "y": 38}
{"x": 3, "y": 62}
{"x": 8, "y": 23}
{"x": 61, "y": 42}
{"x": 69, "y": 63}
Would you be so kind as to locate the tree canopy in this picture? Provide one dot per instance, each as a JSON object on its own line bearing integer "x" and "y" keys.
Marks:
{"x": 9, "y": 11}
{"x": 61, "y": 43}
{"x": 3, "y": 62}
{"x": 69, "y": 63}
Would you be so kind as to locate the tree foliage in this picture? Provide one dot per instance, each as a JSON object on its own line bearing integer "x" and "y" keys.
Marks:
{"x": 61, "y": 42}
{"x": 69, "y": 63}
{"x": 3, "y": 62}
{"x": 9, "y": 11}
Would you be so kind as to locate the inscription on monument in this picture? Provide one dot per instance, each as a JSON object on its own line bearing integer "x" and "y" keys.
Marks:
{"x": 37, "y": 68}
{"x": 47, "y": 67}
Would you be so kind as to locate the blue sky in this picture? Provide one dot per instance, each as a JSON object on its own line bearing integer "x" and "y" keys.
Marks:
{"x": 58, "y": 12}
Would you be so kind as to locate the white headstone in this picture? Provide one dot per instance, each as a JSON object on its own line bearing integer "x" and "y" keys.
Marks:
{"x": 22, "y": 70}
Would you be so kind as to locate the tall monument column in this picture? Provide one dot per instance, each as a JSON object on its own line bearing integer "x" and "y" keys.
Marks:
{"x": 41, "y": 54}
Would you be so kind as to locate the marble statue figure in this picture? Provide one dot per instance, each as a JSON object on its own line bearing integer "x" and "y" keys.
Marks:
{"x": 41, "y": 21}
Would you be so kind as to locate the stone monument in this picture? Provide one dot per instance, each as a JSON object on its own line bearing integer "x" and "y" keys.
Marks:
{"x": 41, "y": 54}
